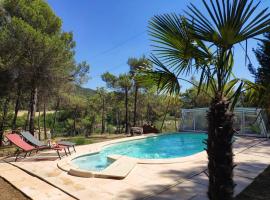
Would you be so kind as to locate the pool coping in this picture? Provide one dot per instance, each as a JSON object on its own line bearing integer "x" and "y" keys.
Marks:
{"x": 122, "y": 165}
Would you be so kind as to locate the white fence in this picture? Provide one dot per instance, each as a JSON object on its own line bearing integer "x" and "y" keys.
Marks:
{"x": 247, "y": 121}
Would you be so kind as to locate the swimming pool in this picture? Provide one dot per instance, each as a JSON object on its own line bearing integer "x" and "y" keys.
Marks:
{"x": 164, "y": 146}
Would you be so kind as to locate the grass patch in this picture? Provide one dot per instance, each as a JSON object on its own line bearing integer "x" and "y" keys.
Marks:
{"x": 82, "y": 140}
{"x": 7, "y": 150}
{"x": 258, "y": 189}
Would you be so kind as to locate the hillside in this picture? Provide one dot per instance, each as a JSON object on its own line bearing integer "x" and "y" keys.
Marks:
{"x": 84, "y": 91}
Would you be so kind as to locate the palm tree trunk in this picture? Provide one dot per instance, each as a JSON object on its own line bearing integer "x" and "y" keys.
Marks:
{"x": 135, "y": 105}
{"x": 126, "y": 110}
{"x": 44, "y": 121}
{"x": 3, "y": 121}
{"x": 219, "y": 150}
{"x": 33, "y": 107}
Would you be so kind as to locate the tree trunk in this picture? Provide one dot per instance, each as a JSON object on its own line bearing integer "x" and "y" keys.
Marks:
{"x": 26, "y": 125}
{"x": 135, "y": 105}
{"x": 39, "y": 132}
{"x": 148, "y": 113}
{"x": 3, "y": 121}
{"x": 219, "y": 150}
{"x": 175, "y": 121}
{"x": 166, "y": 111}
{"x": 55, "y": 116}
{"x": 16, "y": 109}
{"x": 129, "y": 117}
{"x": 54, "y": 122}
{"x": 74, "y": 121}
{"x": 103, "y": 116}
{"x": 44, "y": 121}
{"x": 33, "y": 107}
{"x": 118, "y": 121}
{"x": 92, "y": 124}
{"x": 126, "y": 110}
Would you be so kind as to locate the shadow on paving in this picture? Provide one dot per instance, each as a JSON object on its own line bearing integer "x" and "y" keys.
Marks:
{"x": 194, "y": 184}
{"x": 35, "y": 157}
{"x": 259, "y": 189}
{"x": 183, "y": 186}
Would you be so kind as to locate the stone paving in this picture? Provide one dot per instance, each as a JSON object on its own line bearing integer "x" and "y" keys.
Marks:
{"x": 181, "y": 181}
{"x": 29, "y": 185}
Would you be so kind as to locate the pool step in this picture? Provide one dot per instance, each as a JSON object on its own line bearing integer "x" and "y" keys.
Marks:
{"x": 119, "y": 169}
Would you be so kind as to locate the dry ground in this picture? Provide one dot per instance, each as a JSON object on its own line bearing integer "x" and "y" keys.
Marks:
{"x": 8, "y": 192}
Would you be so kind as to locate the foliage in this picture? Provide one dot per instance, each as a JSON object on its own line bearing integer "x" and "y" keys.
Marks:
{"x": 262, "y": 74}
{"x": 80, "y": 141}
{"x": 37, "y": 59}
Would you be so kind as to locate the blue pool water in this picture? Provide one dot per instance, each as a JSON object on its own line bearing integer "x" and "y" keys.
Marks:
{"x": 163, "y": 146}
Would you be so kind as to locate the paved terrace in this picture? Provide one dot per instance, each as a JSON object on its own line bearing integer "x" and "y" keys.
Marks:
{"x": 182, "y": 181}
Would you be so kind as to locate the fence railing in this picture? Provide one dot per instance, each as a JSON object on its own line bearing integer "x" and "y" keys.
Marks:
{"x": 247, "y": 121}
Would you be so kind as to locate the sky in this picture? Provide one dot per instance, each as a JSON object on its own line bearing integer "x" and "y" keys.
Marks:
{"x": 108, "y": 32}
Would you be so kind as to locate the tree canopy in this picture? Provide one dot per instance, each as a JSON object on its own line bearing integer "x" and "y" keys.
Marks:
{"x": 35, "y": 54}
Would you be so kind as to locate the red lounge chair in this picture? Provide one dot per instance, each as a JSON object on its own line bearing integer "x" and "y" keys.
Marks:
{"x": 27, "y": 148}
{"x": 35, "y": 142}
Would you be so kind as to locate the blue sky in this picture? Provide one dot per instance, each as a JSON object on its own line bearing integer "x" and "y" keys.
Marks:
{"x": 108, "y": 32}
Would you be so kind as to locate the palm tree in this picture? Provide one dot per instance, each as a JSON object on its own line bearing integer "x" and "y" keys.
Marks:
{"x": 204, "y": 41}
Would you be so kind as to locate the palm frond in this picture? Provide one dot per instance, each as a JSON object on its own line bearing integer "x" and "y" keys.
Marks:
{"x": 230, "y": 86}
{"x": 236, "y": 95}
{"x": 174, "y": 43}
{"x": 255, "y": 93}
{"x": 228, "y": 22}
{"x": 166, "y": 81}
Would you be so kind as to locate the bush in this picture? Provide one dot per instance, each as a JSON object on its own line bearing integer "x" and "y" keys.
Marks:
{"x": 111, "y": 128}
{"x": 79, "y": 141}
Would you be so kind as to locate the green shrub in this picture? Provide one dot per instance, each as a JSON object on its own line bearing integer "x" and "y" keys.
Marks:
{"x": 79, "y": 141}
{"x": 111, "y": 128}
{"x": 255, "y": 128}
